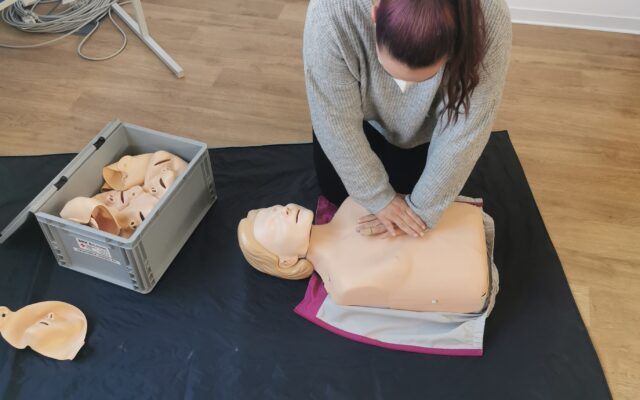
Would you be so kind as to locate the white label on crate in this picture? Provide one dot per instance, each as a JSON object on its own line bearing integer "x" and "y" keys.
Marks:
{"x": 93, "y": 249}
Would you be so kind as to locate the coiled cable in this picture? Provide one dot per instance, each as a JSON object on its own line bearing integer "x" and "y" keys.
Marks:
{"x": 67, "y": 21}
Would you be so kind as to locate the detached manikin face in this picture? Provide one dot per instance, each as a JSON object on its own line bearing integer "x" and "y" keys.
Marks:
{"x": 119, "y": 199}
{"x": 284, "y": 230}
{"x": 133, "y": 215}
{"x": 162, "y": 171}
{"x": 128, "y": 172}
{"x": 126, "y": 203}
{"x": 92, "y": 212}
{"x": 51, "y": 328}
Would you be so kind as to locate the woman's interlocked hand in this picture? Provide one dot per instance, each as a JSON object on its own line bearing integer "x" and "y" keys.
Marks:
{"x": 397, "y": 218}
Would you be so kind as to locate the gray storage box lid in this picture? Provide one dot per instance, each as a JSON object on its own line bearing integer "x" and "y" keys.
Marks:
{"x": 59, "y": 181}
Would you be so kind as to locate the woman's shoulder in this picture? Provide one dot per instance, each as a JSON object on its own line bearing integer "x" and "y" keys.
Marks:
{"x": 331, "y": 26}
{"x": 338, "y": 11}
{"x": 496, "y": 14}
{"x": 498, "y": 26}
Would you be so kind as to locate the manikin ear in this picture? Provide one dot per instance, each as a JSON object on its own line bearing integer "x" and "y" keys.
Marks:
{"x": 288, "y": 261}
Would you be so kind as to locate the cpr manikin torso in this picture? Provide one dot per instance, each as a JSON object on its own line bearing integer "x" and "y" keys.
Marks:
{"x": 51, "y": 328}
{"x": 445, "y": 270}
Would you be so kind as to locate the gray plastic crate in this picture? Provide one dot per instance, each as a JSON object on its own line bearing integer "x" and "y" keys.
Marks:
{"x": 138, "y": 262}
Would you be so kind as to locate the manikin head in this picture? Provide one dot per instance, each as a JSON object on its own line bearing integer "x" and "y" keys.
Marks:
{"x": 416, "y": 38}
{"x": 275, "y": 240}
{"x": 162, "y": 171}
{"x": 51, "y": 328}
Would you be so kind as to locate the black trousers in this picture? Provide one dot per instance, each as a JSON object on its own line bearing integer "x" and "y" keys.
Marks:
{"x": 404, "y": 166}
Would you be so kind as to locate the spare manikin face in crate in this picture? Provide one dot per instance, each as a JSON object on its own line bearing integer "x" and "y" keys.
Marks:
{"x": 119, "y": 199}
{"x": 106, "y": 217}
{"x": 132, "y": 216}
{"x": 92, "y": 212}
{"x": 162, "y": 171}
{"x": 121, "y": 211}
{"x": 128, "y": 172}
{"x": 155, "y": 171}
{"x": 51, "y": 328}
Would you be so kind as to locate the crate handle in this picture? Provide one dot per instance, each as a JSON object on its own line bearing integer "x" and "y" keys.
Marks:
{"x": 98, "y": 143}
{"x": 61, "y": 182}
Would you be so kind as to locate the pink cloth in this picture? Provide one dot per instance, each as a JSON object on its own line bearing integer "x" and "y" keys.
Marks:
{"x": 325, "y": 211}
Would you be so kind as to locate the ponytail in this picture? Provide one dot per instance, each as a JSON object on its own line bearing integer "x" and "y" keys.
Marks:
{"x": 462, "y": 73}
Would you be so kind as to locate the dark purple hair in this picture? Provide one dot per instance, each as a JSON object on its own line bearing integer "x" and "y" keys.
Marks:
{"x": 419, "y": 33}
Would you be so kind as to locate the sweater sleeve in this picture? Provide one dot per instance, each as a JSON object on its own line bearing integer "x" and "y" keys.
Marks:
{"x": 455, "y": 149}
{"x": 333, "y": 92}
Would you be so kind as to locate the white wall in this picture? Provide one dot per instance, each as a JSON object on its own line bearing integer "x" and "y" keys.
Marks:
{"x": 606, "y": 15}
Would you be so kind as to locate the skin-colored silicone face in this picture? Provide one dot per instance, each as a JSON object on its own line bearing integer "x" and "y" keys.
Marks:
{"x": 284, "y": 230}
{"x": 132, "y": 216}
{"x": 162, "y": 171}
{"x": 93, "y": 212}
{"x": 119, "y": 199}
{"x": 122, "y": 209}
{"x": 51, "y": 328}
{"x": 129, "y": 171}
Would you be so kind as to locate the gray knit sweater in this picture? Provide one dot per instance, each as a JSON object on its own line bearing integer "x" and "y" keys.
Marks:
{"x": 346, "y": 85}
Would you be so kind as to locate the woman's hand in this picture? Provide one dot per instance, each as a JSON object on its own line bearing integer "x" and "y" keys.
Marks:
{"x": 395, "y": 214}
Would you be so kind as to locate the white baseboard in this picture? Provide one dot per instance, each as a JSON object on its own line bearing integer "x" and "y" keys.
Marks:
{"x": 608, "y": 23}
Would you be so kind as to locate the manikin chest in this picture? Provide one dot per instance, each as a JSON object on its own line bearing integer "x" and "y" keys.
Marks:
{"x": 446, "y": 270}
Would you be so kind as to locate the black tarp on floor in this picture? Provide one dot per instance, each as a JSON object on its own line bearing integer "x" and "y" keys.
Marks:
{"x": 214, "y": 328}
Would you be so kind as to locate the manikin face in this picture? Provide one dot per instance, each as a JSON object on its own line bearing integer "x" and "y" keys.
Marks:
{"x": 132, "y": 216}
{"x": 119, "y": 199}
{"x": 122, "y": 209}
{"x": 93, "y": 212}
{"x": 128, "y": 172}
{"x": 51, "y": 328}
{"x": 105, "y": 216}
{"x": 284, "y": 230}
{"x": 163, "y": 170}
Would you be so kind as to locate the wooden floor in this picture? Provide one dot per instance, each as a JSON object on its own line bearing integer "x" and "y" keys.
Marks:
{"x": 572, "y": 107}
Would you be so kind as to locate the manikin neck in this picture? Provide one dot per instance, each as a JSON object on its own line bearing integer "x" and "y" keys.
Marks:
{"x": 317, "y": 238}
